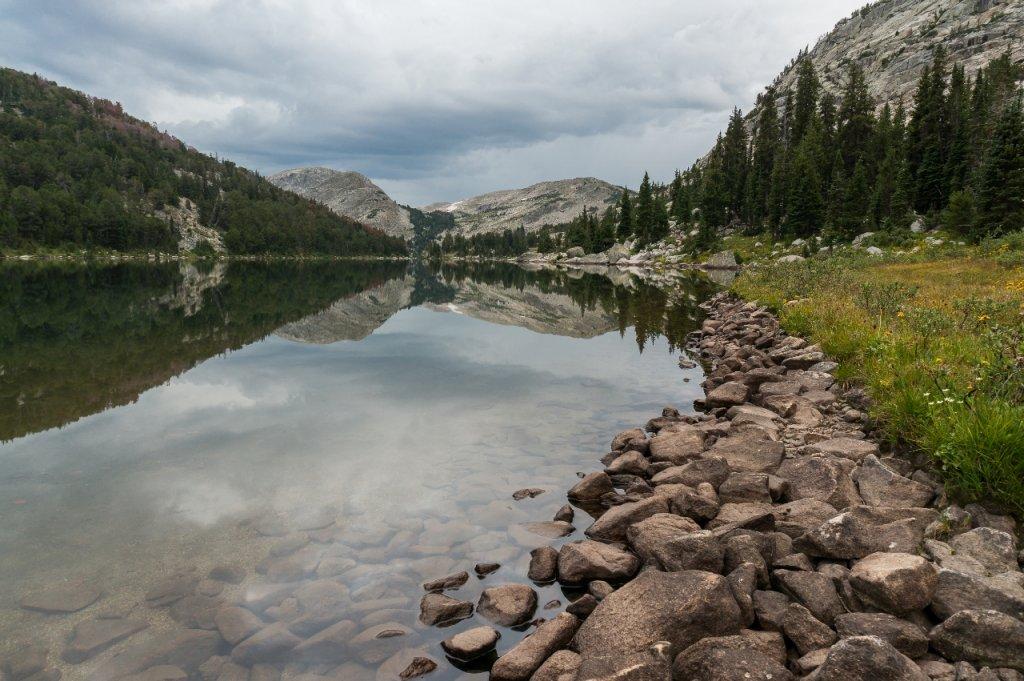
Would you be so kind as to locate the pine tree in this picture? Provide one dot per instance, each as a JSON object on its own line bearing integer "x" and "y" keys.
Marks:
{"x": 644, "y": 213}
{"x": 660, "y": 225}
{"x": 714, "y": 194}
{"x": 1001, "y": 189}
{"x": 856, "y": 121}
{"x": 624, "y": 230}
{"x": 735, "y": 163}
{"x": 958, "y": 117}
{"x": 805, "y": 203}
{"x": 777, "y": 192}
{"x": 766, "y": 145}
{"x": 927, "y": 139}
{"x": 805, "y": 106}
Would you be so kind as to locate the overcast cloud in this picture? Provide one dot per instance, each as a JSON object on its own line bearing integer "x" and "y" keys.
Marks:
{"x": 433, "y": 99}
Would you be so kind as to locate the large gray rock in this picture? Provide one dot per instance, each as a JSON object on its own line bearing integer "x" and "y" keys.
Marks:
{"x": 649, "y": 664}
{"x": 508, "y": 604}
{"x": 712, "y": 470}
{"x": 543, "y": 564}
{"x": 327, "y": 646}
{"x": 62, "y": 597}
{"x": 864, "y": 530}
{"x": 797, "y": 517}
{"x": 881, "y": 486}
{"x": 267, "y": 645}
{"x": 519, "y": 663}
{"x": 982, "y": 637}
{"x": 91, "y": 637}
{"x": 585, "y": 561}
{"x": 592, "y": 487}
{"x": 438, "y": 609}
{"x": 823, "y": 478}
{"x": 184, "y": 648}
{"x": 612, "y": 525}
{"x": 994, "y": 549}
{"x": 731, "y": 394}
{"x": 749, "y": 453}
{"x": 807, "y": 632}
{"x": 867, "y": 657}
{"x": 956, "y": 591}
{"x": 673, "y": 543}
{"x": 562, "y": 666}
{"x": 814, "y": 591}
{"x": 677, "y": 607}
{"x": 897, "y": 583}
{"x": 904, "y": 636}
{"x": 472, "y": 643}
{"x": 846, "y": 447}
{"x": 678, "y": 445}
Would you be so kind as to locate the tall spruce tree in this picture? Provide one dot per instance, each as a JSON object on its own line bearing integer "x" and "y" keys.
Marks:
{"x": 624, "y": 229}
{"x": 805, "y": 201}
{"x": 1001, "y": 188}
{"x": 735, "y": 163}
{"x": 805, "y": 106}
{"x": 714, "y": 191}
{"x": 856, "y": 121}
{"x": 644, "y": 213}
{"x": 766, "y": 144}
{"x": 927, "y": 137}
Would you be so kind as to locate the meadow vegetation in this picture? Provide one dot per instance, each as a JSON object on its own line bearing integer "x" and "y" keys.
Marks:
{"x": 936, "y": 336}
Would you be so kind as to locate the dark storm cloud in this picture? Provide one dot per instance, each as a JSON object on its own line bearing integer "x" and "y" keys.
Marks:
{"x": 435, "y": 99}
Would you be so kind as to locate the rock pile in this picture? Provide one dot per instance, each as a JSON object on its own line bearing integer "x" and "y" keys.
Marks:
{"x": 771, "y": 538}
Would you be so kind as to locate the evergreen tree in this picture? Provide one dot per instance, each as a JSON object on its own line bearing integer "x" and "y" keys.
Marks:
{"x": 805, "y": 203}
{"x": 1001, "y": 189}
{"x": 714, "y": 195}
{"x": 660, "y": 226}
{"x": 766, "y": 145}
{"x": 805, "y": 106}
{"x": 926, "y": 151}
{"x": 856, "y": 121}
{"x": 644, "y": 214}
{"x": 624, "y": 230}
{"x": 777, "y": 192}
{"x": 958, "y": 117}
{"x": 735, "y": 163}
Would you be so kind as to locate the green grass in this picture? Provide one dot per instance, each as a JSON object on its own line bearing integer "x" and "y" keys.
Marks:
{"x": 937, "y": 338}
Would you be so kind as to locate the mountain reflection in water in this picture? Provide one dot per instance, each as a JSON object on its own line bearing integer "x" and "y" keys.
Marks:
{"x": 77, "y": 339}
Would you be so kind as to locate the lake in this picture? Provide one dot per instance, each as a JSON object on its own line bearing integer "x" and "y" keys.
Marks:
{"x": 350, "y": 430}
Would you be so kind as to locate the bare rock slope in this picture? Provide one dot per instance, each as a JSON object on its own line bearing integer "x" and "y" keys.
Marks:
{"x": 553, "y": 202}
{"x": 349, "y": 194}
{"x": 894, "y": 39}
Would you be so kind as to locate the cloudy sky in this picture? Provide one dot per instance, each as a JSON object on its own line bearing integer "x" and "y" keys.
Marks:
{"x": 433, "y": 99}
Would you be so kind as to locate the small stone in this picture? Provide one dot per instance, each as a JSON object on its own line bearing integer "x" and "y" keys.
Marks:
{"x": 327, "y": 646}
{"x": 527, "y": 493}
{"x": 814, "y": 591}
{"x": 418, "y": 667}
{"x": 163, "y": 672}
{"x": 728, "y": 395}
{"x": 543, "y": 564}
{"x": 484, "y": 569}
{"x": 880, "y": 486}
{"x": 612, "y": 525}
{"x": 25, "y": 661}
{"x": 561, "y": 666}
{"x": 236, "y": 624}
{"x": 471, "y": 644}
{"x": 673, "y": 543}
{"x": 849, "y": 448}
{"x": 379, "y": 642}
{"x": 565, "y": 514}
{"x": 171, "y": 589}
{"x": 437, "y": 609}
{"x": 582, "y": 606}
{"x": 232, "y": 574}
{"x": 453, "y": 581}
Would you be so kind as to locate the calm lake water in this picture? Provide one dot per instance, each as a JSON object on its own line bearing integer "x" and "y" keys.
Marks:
{"x": 364, "y": 425}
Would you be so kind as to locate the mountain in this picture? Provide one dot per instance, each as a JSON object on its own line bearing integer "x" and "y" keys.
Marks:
{"x": 355, "y": 196}
{"x": 79, "y": 172}
{"x": 893, "y": 40}
{"x": 349, "y": 194}
{"x": 547, "y": 203}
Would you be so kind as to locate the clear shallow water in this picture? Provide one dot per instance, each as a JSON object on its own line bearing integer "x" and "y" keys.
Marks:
{"x": 383, "y": 414}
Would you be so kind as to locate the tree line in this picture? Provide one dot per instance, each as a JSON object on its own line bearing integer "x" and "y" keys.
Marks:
{"x": 838, "y": 167}
{"x": 77, "y": 171}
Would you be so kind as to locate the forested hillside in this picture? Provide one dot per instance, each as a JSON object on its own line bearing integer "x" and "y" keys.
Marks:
{"x": 76, "y": 171}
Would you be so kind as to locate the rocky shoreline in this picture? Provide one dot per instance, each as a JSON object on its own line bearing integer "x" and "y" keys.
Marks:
{"x": 772, "y": 538}
{"x": 767, "y": 537}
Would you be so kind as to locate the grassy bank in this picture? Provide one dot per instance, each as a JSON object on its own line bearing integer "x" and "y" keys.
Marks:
{"x": 936, "y": 336}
